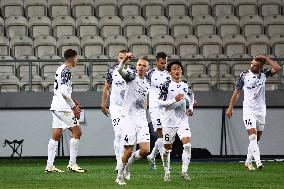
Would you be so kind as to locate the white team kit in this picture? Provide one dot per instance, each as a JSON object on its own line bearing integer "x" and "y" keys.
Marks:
{"x": 134, "y": 121}
{"x": 157, "y": 79}
{"x": 63, "y": 116}
{"x": 118, "y": 91}
{"x": 174, "y": 117}
{"x": 254, "y": 106}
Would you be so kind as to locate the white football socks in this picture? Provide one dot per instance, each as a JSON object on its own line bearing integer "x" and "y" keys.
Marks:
{"x": 52, "y": 147}
{"x": 134, "y": 156}
{"x": 186, "y": 155}
{"x": 74, "y": 146}
{"x": 166, "y": 160}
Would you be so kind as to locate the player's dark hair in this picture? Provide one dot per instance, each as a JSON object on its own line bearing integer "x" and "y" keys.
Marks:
{"x": 169, "y": 66}
{"x": 123, "y": 51}
{"x": 69, "y": 53}
{"x": 161, "y": 55}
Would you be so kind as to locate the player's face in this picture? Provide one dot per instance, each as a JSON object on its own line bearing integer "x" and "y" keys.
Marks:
{"x": 120, "y": 57}
{"x": 176, "y": 72}
{"x": 74, "y": 61}
{"x": 161, "y": 64}
{"x": 142, "y": 67}
{"x": 255, "y": 66}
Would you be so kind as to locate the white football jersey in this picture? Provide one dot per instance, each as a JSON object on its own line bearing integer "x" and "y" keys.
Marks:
{"x": 174, "y": 114}
{"x": 254, "y": 90}
{"x": 138, "y": 90}
{"x": 62, "y": 85}
{"x": 157, "y": 79}
{"x": 118, "y": 85}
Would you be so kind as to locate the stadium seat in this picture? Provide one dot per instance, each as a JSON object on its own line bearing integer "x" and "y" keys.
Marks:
{"x": 193, "y": 66}
{"x": 4, "y": 46}
{"x": 7, "y": 68}
{"x": 133, "y": 25}
{"x": 81, "y": 67}
{"x": 81, "y": 83}
{"x": 58, "y": 8}
{"x": 186, "y": 44}
{"x": 98, "y": 67}
{"x": 49, "y": 68}
{"x": 258, "y": 44}
{"x": 129, "y": 7}
{"x": 39, "y": 25}
{"x": 82, "y": 8}
{"x": 12, "y": 8}
{"x": 210, "y": 44}
{"x": 45, "y": 45}
{"x": 204, "y": 25}
{"x": 238, "y": 66}
{"x": 110, "y": 25}
{"x": 68, "y": 42}
{"x": 35, "y": 8}
{"x": 199, "y": 7}
{"x": 92, "y": 44}
{"x": 234, "y": 44}
{"x": 22, "y": 68}
{"x": 63, "y": 25}
{"x": 37, "y": 83}
{"x": 251, "y": 25}
{"x": 269, "y": 7}
{"x": 157, "y": 25}
{"x": 106, "y": 8}
{"x": 180, "y": 25}
{"x": 274, "y": 24}
{"x": 21, "y": 45}
{"x": 176, "y": 8}
{"x": 173, "y": 57}
{"x": 48, "y": 83}
{"x": 227, "y": 25}
{"x": 16, "y": 26}
{"x": 152, "y": 8}
{"x": 212, "y": 66}
{"x": 139, "y": 45}
{"x": 245, "y": 7}
{"x": 87, "y": 25}
{"x": 114, "y": 44}
{"x": 200, "y": 82}
{"x": 222, "y": 7}
{"x": 99, "y": 81}
{"x": 163, "y": 43}
{"x": 9, "y": 84}
{"x": 277, "y": 44}
{"x": 226, "y": 83}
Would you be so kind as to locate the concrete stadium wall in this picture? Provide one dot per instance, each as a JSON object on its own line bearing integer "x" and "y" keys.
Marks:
{"x": 34, "y": 126}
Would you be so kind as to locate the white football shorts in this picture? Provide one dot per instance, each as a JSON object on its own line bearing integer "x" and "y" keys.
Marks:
{"x": 134, "y": 129}
{"x": 63, "y": 120}
{"x": 169, "y": 133}
{"x": 252, "y": 120}
{"x": 155, "y": 118}
{"x": 115, "y": 114}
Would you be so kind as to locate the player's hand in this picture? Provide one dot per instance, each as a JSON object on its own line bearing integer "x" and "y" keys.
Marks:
{"x": 179, "y": 97}
{"x": 229, "y": 112}
{"x": 105, "y": 110}
{"x": 194, "y": 103}
{"x": 76, "y": 110}
{"x": 128, "y": 56}
{"x": 260, "y": 58}
{"x": 189, "y": 112}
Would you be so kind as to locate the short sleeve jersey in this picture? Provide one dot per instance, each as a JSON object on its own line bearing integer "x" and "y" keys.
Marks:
{"x": 175, "y": 114}
{"x": 157, "y": 79}
{"x": 254, "y": 90}
{"x": 118, "y": 85}
{"x": 62, "y": 85}
{"x": 138, "y": 90}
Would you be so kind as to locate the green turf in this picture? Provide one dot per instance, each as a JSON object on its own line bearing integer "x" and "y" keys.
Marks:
{"x": 30, "y": 174}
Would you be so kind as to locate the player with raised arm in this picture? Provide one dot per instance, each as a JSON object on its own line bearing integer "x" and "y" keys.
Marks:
{"x": 158, "y": 76}
{"x": 134, "y": 122}
{"x": 63, "y": 111}
{"x": 254, "y": 108}
{"x": 118, "y": 87}
{"x": 173, "y": 96}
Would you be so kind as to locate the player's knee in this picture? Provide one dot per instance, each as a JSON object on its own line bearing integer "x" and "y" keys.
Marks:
{"x": 187, "y": 147}
{"x": 144, "y": 152}
{"x": 252, "y": 137}
{"x": 167, "y": 151}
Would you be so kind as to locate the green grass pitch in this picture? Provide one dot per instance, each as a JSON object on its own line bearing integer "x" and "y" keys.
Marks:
{"x": 27, "y": 174}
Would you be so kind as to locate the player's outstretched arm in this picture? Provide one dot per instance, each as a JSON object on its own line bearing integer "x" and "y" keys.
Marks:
{"x": 233, "y": 101}
{"x": 275, "y": 66}
{"x": 122, "y": 71}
